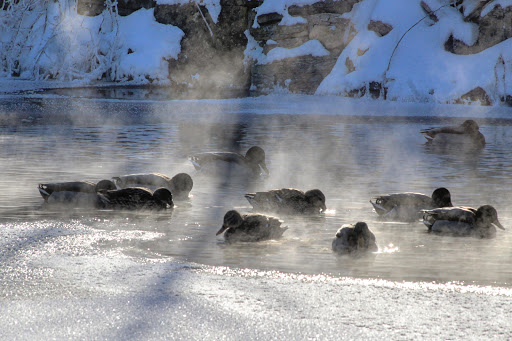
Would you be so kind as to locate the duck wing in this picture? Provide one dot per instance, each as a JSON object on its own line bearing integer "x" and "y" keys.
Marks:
{"x": 285, "y": 199}
{"x": 147, "y": 179}
{"x": 46, "y": 189}
{"x": 431, "y": 133}
{"x": 385, "y": 203}
{"x": 131, "y": 198}
{"x": 258, "y": 227}
{"x": 200, "y": 159}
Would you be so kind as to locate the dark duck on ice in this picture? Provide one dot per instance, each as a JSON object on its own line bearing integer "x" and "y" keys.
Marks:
{"x": 74, "y": 193}
{"x": 407, "y": 206}
{"x": 467, "y": 135}
{"x": 463, "y": 221}
{"x": 354, "y": 239}
{"x": 137, "y": 198}
{"x": 252, "y": 163}
{"x": 250, "y": 227}
{"x": 288, "y": 201}
{"x": 180, "y": 185}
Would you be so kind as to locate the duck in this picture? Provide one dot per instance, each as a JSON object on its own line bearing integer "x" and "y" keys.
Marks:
{"x": 354, "y": 238}
{"x": 463, "y": 221}
{"x": 466, "y": 134}
{"x": 253, "y": 162}
{"x": 288, "y": 201}
{"x": 407, "y": 206}
{"x": 180, "y": 185}
{"x": 250, "y": 227}
{"x": 137, "y": 198}
{"x": 74, "y": 193}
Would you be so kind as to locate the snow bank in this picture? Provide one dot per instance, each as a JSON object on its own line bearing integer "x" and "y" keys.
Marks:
{"x": 52, "y": 41}
{"x": 420, "y": 69}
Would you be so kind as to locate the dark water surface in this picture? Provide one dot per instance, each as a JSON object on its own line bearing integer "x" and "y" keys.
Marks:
{"x": 350, "y": 158}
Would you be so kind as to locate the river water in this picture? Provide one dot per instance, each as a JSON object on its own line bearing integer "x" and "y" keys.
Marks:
{"x": 349, "y": 156}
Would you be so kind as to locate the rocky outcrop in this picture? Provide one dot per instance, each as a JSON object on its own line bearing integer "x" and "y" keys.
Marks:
{"x": 212, "y": 53}
{"x": 302, "y": 74}
{"x": 212, "y": 50}
{"x": 493, "y": 28}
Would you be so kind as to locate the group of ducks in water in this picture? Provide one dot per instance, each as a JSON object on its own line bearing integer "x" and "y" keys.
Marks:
{"x": 157, "y": 191}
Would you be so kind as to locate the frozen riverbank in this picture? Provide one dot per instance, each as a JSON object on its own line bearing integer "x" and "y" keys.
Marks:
{"x": 116, "y": 298}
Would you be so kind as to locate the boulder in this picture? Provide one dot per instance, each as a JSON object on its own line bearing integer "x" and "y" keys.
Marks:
{"x": 476, "y": 95}
{"x": 327, "y": 6}
{"x": 379, "y": 27}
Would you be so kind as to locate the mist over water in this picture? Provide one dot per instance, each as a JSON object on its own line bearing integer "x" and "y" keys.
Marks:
{"x": 350, "y": 158}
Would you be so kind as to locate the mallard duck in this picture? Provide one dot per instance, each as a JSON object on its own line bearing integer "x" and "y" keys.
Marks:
{"x": 407, "y": 206}
{"x": 253, "y": 161}
{"x": 250, "y": 227}
{"x": 75, "y": 193}
{"x": 137, "y": 198}
{"x": 354, "y": 238}
{"x": 288, "y": 201}
{"x": 463, "y": 221}
{"x": 467, "y": 134}
{"x": 180, "y": 185}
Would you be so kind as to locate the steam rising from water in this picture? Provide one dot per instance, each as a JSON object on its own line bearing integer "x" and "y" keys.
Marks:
{"x": 349, "y": 157}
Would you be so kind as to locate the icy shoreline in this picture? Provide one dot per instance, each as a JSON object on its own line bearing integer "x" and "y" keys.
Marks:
{"x": 167, "y": 300}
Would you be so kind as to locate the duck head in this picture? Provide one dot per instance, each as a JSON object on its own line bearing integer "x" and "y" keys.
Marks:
{"x": 105, "y": 185}
{"x": 316, "y": 198}
{"x": 164, "y": 196}
{"x": 181, "y": 184}
{"x": 256, "y": 157}
{"x": 487, "y": 215}
{"x": 441, "y": 198}
{"x": 470, "y": 127}
{"x": 232, "y": 220}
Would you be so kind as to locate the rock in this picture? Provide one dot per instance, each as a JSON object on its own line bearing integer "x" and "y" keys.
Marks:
{"x": 361, "y": 52}
{"x": 90, "y": 8}
{"x": 127, "y": 7}
{"x": 491, "y": 31}
{"x": 375, "y": 89}
{"x": 208, "y": 63}
{"x": 349, "y": 65}
{"x": 269, "y": 19}
{"x": 279, "y": 32}
{"x": 476, "y": 95}
{"x": 334, "y": 36}
{"x": 379, "y": 27}
{"x": 327, "y": 6}
{"x": 299, "y": 74}
{"x": 474, "y": 16}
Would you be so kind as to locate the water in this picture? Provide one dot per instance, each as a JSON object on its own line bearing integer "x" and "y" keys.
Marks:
{"x": 350, "y": 158}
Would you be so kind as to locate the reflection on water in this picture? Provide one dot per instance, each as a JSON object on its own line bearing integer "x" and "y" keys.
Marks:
{"x": 350, "y": 159}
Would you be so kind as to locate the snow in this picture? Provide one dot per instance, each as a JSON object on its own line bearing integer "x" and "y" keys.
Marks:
{"x": 420, "y": 69}
{"x": 311, "y": 47}
{"x": 151, "y": 44}
{"x": 58, "y": 282}
{"x": 490, "y": 6}
{"x": 55, "y": 42}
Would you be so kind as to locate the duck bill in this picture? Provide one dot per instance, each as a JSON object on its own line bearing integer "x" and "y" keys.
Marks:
{"x": 264, "y": 168}
{"x": 498, "y": 224}
{"x": 323, "y": 208}
{"x": 222, "y": 229}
